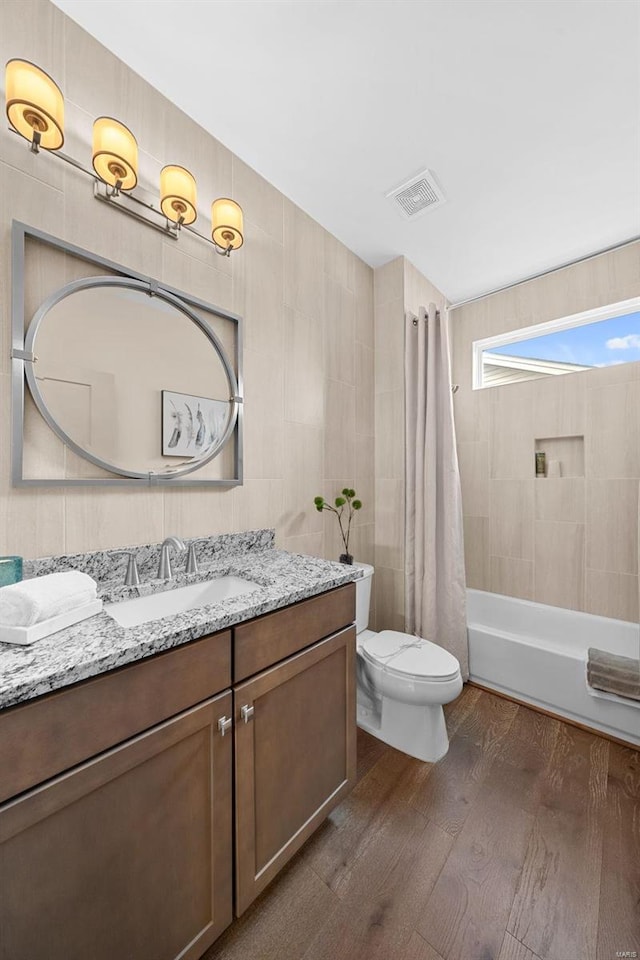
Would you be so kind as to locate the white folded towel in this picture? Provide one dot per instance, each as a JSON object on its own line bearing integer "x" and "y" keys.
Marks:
{"x": 23, "y": 604}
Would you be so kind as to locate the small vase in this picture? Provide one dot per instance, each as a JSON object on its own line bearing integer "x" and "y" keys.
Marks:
{"x": 346, "y": 558}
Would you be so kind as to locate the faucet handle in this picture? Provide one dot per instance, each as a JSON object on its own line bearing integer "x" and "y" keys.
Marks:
{"x": 132, "y": 577}
{"x": 192, "y": 560}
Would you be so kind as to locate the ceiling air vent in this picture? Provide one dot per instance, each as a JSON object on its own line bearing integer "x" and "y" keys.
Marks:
{"x": 417, "y": 195}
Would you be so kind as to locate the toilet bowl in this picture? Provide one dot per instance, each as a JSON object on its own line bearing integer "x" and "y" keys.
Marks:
{"x": 403, "y": 684}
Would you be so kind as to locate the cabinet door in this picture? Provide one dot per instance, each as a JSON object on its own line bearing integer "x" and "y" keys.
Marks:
{"x": 295, "y": 756}
{"x": 128, "y": 857}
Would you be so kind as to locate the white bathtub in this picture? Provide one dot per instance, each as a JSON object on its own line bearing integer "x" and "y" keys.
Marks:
{"x": 538, "y": 654}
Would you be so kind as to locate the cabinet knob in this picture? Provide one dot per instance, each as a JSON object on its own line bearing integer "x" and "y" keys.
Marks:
{"x": 246, "y": 713}
{"x": 224, "y": 724}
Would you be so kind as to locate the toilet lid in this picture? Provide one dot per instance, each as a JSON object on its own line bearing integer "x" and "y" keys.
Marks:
{"x": 409, "y": 656}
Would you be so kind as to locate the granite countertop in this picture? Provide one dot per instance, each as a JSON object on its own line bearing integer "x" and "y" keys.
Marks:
{"x": 99, "y": 644}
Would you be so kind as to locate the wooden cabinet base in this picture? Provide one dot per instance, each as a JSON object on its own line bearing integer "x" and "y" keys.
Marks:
{"x": 295, "y": 756}
{"x": 127, "y": 856}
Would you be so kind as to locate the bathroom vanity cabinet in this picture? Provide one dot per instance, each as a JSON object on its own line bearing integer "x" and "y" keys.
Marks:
{"x": 117, "y": 835}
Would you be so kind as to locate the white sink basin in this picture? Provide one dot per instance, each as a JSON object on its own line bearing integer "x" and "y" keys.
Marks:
{"x": 131, "y": 613}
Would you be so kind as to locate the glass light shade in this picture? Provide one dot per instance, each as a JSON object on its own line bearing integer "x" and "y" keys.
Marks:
{"x": 226, "y": 223}
{"x": 178, "y": 194}
{"x": 115, "y": 153}
{"x": 34, "y": 102}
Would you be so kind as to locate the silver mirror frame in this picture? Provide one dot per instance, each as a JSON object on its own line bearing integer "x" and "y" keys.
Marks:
{"x": 22, "y": 367}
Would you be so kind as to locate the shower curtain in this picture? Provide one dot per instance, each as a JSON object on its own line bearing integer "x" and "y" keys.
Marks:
{"x": 435, "y": 606}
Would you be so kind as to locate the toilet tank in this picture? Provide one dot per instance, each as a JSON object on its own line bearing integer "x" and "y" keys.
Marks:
{"x": 363, "y": 596}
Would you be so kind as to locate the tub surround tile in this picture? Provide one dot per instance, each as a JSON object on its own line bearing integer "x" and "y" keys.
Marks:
{"x": 590, "y": 421}
{"x": 511, "y": 518}
{"x": 559, "y": 564}
{"x": 476, "y": 552}
{"x": 617, "y": 373}
{"x": 511, "y": 432}
{"x": 559, "y": 406}
{"x": 471, "y": 408}
{"x": 560, "y": 499}
{"x": 612, "y": 525}
{"x": 99, "y": 644}
{"x": 613, "y": 415}
{"x": 567, "y": 451}
{"x": 513, "y": 578}
{"x": 612, "y": 595}
{"x": 473, "y": 461}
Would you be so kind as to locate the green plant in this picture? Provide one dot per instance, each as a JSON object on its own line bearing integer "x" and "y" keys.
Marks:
{"x": 346, "y": 503}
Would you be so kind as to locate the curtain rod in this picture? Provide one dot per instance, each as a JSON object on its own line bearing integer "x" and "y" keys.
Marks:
{"x": 544, "y": 273}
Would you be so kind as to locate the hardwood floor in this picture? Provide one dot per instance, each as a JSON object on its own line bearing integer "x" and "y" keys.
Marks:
{"x": 523, "y": 843}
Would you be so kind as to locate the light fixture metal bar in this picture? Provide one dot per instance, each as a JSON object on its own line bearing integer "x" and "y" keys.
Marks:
{"x": 119, "y": 199}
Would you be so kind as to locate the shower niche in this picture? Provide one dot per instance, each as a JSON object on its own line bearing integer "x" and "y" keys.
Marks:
{"x": 564, "y": 456}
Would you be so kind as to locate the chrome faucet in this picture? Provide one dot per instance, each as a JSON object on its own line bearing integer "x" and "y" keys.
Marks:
{"x": 132, "y": 578}
{"x": 164, "y": 568}
{"x": 192, "y": 560}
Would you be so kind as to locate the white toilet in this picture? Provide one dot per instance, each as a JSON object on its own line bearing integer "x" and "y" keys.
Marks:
{"x": 403, "y": 683}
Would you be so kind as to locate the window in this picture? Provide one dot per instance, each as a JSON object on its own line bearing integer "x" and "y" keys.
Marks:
{"x": 595, "y": 338}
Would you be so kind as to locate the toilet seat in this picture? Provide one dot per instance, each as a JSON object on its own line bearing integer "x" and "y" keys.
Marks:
{"x": 407, "y": 656}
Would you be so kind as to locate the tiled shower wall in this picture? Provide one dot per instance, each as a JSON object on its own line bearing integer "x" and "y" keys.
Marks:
{"x": 570, "y": 542}
{"x": 307, "y": 303}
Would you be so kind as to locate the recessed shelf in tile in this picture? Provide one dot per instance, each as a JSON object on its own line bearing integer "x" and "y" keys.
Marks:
{"x": 568, "y": 452}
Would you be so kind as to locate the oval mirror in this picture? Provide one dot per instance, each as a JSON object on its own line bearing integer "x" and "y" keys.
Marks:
{"x": 131, "y": 378}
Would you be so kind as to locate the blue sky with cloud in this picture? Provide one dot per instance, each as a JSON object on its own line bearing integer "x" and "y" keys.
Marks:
{"x": 597, "y": 344}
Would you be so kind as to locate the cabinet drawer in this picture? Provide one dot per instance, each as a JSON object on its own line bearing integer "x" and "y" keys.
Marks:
{"x": 54, "y": 733}
{"x": 260, "y": 643}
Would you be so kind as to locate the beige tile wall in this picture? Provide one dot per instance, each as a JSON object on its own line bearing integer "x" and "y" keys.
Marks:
{"x": 570, "y": 542}
{"x": 398, "y": 288}
{"x": 307, "y": 302}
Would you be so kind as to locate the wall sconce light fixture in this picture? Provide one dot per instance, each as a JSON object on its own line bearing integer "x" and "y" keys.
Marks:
{"x": 178, "y": 195}
{"x": 35, "y": 110}
{"x": 115, "y": 153}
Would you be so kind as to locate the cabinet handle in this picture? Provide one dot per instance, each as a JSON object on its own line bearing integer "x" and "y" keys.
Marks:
{"x": 246, "y": 713}
{"x": 224, "y": 724}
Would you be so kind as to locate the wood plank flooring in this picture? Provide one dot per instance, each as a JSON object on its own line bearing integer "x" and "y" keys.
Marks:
{"x": 523, "y": 843}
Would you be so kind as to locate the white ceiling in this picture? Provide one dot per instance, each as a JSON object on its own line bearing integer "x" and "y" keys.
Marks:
{"x": 527, "y": 111}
